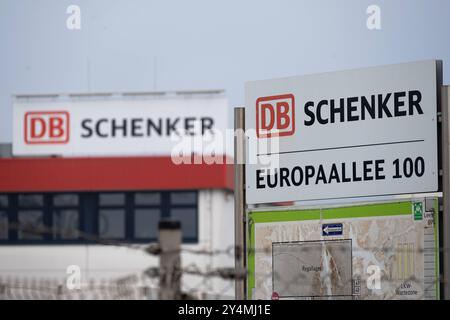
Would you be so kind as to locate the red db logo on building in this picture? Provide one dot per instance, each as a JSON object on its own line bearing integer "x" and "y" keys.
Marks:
{"x": 275, "y": 116}
{"x": 42, "y": 127}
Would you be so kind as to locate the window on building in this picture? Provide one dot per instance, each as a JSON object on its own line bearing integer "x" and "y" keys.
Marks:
{"x": 80, "y": 217}
{"x": 31, "y": 225}
{"x": 31, "y": 200}
{"x": 111, "y": 199}
{"x": 147, "y": 198}
{"x": 65, "y": 224}
{"x": 65, "y": 216}
{"x": 183, "y": 207}
{"x": 66, "y": 200}
{"x": 188, "y": 219}
{"x": 3, "y": 201}
{"x": 111, "y": 216}
{"x": 4, "y": 227}
{"x": 147, "y": 211}
{"x": 112, "y": 223}
{"x": 30, "y": 217}
{"x": 183, "y": 198}
{"x": 146, "y": 223}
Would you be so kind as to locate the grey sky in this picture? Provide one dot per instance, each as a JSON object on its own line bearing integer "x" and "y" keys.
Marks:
{"x": 132, "y": 45}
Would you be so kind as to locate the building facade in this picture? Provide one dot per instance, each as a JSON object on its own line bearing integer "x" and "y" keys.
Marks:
{"x": 100, "y": 213}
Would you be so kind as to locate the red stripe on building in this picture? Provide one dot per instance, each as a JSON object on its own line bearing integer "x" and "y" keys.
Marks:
{"x": 110, "y": 174}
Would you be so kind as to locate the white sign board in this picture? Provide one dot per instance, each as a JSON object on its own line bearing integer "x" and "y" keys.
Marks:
{"x": 354, "y": 133}
{"x": 113, "y": 126}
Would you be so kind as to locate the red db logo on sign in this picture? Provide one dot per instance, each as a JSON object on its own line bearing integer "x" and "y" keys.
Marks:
{"x": 42, "y": 127}
{"x": 275, "y": 116}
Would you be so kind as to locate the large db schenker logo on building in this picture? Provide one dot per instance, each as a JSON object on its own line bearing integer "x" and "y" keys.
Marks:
{"x": 275, "y": 116}
{"x": 43, "y": 127}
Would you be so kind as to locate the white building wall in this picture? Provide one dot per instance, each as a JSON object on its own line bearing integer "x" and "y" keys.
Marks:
{"x": 104, "y": 263}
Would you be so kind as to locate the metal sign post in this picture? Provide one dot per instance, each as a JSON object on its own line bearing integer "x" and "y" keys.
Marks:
{"x": 445, "y": 102}
{"x": 239, "y": 201}
{"x": 170, "y": 260}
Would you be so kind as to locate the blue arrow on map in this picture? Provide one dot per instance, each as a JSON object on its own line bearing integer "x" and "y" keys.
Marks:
{"x": 332, "y": 229}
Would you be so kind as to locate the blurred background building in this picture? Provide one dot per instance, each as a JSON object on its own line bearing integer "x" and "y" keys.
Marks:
{"x": 93, "y": 199}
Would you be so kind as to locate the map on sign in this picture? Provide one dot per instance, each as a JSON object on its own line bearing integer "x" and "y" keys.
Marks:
{"x": 301, "y": 268}
{"x": 293, "y": 258}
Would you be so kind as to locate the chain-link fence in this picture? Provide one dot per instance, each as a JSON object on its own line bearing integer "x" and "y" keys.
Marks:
{"x": 146, "y": 284}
